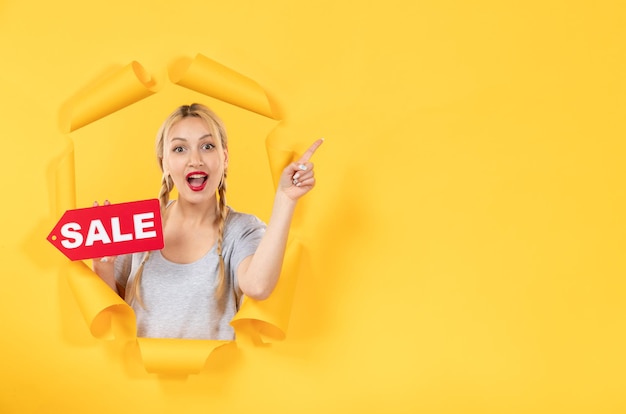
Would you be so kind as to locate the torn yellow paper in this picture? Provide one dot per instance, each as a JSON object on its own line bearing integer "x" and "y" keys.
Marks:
{"x": 124, "y": 87}
{"x": 176, "y": 356}
{"x": 65, "y": 191}
{"x": 270, "y": 317}
{"x": 278, "y": 153}
{"x": 213, "y": 79}
{"x": 107, "y": 315}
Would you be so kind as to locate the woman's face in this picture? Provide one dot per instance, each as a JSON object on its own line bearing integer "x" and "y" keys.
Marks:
{"x": 195, "y": 159}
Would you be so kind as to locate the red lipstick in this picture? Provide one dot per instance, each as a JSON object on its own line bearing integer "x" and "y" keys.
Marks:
{"x": 196, "y": 180}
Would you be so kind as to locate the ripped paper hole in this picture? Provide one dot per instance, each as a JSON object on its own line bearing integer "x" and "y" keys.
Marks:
{"x": 106, "y": 314}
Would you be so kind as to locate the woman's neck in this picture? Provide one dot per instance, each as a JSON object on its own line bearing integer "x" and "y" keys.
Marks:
{"x": 195, "y": 214}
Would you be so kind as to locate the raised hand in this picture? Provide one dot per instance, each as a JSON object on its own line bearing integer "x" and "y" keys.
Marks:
{"x": 298, "y": 178}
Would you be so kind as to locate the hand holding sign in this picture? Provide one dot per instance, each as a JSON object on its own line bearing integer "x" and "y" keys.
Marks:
{"x": 109, "y": 230}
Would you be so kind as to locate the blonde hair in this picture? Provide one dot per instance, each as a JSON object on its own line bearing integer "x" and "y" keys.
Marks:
{"x": 217, "y": 129}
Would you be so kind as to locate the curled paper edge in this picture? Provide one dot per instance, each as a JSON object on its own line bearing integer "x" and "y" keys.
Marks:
{"x": 106, "y": 314}
{"x": 269, "y": 319}
{"x": 176, "y": 356}
{"x": 120, "y": 89}
{"x": 65, "y": 181}
{"x": 213, "y": 79}
{"x": 279, "y": 156}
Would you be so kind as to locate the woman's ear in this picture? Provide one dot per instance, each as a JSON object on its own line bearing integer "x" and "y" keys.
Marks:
{"x": 225, "y": 158}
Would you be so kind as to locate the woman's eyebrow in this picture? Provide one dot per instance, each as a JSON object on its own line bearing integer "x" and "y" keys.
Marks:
{"x": 185, "y": 139}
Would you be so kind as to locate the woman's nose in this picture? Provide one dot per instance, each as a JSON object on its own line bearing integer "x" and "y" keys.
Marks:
{"x": 194, "y": 159}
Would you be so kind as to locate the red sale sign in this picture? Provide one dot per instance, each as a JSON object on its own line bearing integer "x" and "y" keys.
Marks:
{"x": 87, "y": 233}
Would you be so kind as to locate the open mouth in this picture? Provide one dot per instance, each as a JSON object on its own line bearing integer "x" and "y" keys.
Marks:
{"x": 197, "y": 180}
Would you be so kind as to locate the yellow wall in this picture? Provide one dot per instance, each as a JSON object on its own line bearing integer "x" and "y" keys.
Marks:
{"x": 465, "y": 240}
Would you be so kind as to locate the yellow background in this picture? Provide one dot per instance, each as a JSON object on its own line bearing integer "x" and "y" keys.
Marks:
{"x": 465, "y": 240}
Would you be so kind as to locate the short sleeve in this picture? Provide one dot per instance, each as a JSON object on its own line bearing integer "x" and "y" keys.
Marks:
{"x": 242, "y": 235}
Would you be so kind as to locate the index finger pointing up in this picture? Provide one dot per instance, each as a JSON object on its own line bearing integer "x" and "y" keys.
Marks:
{"x": 309, "y": 152}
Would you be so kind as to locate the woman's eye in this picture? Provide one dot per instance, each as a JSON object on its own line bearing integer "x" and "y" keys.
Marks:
{"x": 178, "y": 149}
{"x": 208, "y": 146}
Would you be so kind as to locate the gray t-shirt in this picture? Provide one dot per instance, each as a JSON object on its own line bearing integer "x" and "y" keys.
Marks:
{"x": 179, "y": 299}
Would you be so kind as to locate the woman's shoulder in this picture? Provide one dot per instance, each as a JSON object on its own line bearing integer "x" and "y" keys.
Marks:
{"x": 242, "y": 221}
{"x": 239, "y": 216}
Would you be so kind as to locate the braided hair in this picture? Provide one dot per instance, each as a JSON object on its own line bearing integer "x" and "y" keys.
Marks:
{"x": 218, "y": 130}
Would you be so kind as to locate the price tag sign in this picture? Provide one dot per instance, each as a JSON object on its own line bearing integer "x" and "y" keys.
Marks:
{"x": 112, "y": 230}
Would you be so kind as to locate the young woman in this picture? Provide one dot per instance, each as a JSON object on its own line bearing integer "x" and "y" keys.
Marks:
{"x": 212, "y": 255}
